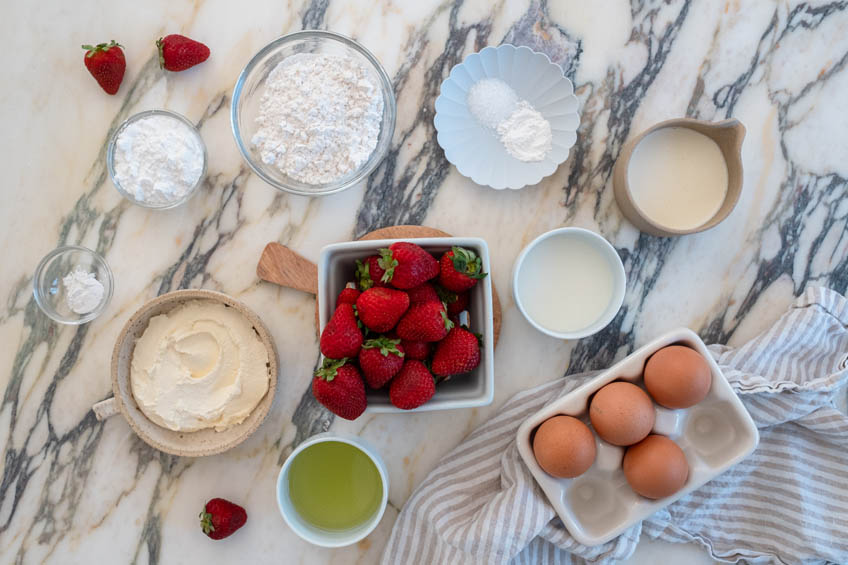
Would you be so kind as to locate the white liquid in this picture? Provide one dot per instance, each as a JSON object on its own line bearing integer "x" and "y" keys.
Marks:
{"x": 565, "y": 283}
{"x": 678, "y": 177}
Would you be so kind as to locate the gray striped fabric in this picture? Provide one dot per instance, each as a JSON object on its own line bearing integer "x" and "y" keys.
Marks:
{"x": 786, "y": 503}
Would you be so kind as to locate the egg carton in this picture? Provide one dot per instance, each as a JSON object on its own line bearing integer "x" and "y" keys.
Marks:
{"x": 598, "y": 505}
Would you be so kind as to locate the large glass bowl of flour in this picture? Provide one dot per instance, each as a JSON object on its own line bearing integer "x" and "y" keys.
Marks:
{"x": 322, "y": 121}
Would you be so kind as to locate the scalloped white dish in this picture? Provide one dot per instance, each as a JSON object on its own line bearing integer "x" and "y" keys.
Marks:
{"x": 475, "y": 150}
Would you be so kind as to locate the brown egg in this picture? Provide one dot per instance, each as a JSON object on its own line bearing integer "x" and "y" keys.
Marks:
{"x": 564, "y": 447}
{"x": 655, "y": 467}
{"x": 622, "y": 413}
{"x": 678, "y": 377}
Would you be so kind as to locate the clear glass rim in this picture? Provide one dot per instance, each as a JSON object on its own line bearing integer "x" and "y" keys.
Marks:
{"x": 47, "y": 309}
{"x": 110, "y": 158}
{"x": 388, "y": 124}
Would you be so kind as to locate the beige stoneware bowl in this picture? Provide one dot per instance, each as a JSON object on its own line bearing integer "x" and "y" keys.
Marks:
{"x": 188, "y": 444}
{"x": 728, "y": 135}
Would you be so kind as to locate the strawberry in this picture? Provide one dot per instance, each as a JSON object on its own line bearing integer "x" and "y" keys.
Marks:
{"x": 407, "y": 265}
{"x": 220, "y": 518}
{"x": 178, "y": 52}
{"x": 106, "y": 63}
{"x": 347, "y": 296}
{"x": 413, "y": 386}
{"x": 460, "y": 304}
{"x": 458, "y": 353}
{"x": 338, "y": 386}
{"x": 416, "y": 349}
{"x": 422, "y": 293}
{"x": 380, "y": 308}
{"x": 380, "y": 360}
{"x": 424, "y": 322}
{"x": 455, "y": 302}
{"x": 369, "y": 272}
{"x": 341, "y": 336}
{"x": 460, "y": 269}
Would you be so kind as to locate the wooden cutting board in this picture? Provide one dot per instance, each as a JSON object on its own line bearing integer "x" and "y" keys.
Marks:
{"x": 280, "y": 265}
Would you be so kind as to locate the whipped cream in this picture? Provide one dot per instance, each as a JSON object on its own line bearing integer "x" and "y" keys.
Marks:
{"x": 199, "y": 366}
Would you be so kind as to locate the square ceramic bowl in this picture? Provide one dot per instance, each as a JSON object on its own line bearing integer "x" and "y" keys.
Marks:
{"x": 715, "y": 434}
{"x": 336, "y": 267}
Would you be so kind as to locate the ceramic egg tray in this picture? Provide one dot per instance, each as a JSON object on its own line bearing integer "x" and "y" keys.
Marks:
{"x": 715, "y": 434}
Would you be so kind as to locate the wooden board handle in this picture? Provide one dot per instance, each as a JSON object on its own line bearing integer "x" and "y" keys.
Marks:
{"x": 282, "y": 266}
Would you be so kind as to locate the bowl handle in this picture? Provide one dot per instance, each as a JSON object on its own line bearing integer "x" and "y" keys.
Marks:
{"x": 105, "y": 409}
{"x": 282, "y": 266}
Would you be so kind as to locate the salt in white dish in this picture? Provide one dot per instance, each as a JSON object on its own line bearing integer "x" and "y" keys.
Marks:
{"x": 473, "y": 148}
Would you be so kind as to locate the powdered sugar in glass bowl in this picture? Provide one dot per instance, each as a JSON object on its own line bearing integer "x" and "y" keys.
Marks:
{"x": 51, "y": 292}
{"x": 255, "y": 80}
{"x": 156, "y": 159}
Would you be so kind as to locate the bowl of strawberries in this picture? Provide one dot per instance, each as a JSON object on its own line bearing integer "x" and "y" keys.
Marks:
{"x": 405, "y": 326}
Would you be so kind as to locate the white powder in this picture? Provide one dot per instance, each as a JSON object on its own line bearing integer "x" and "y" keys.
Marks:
{"x": 319, "y": 117}
{"x": 83, "y": 292}
{"x": 491, "y": 100}
{"x": 523, "y": 131}
{"x": 158, "y": 159}
{"x": 526, "y": 133}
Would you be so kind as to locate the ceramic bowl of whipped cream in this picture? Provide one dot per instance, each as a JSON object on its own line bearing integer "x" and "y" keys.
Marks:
{"x": 506, "y": 117}
{"x": 194, "y": 372}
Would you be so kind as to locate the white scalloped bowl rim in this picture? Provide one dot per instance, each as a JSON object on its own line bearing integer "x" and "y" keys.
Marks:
{"x": 472, "y": 149}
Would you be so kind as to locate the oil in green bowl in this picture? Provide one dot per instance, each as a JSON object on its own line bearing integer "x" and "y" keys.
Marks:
{"x": 334, "y": 486}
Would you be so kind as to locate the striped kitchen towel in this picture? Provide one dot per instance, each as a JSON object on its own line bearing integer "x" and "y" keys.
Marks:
{"x": 786, "y": 503}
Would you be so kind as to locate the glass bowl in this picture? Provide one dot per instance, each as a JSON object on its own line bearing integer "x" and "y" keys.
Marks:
{"x": 49, "y": 291}
{"x": 110, "y": 159}
{"x": 250, "y": 86}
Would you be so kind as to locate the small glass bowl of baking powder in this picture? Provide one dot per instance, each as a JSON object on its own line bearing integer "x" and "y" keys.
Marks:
{"x": 255, "y": 80}
{"x": 72, "y": 285}
{"x": 156, "y": 159}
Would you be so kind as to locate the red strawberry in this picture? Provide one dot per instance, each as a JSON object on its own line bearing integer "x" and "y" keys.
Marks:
{"x": 380, "y": 360}
{"x": 106, "y": 63}
{"x": 456, "y": 302}
{"x": 369, "y": 272}
{"x": 416, "y": 349}
{"x": 339, "y": 387}
{"x": 460, "y": 269}
{"x": 407, "y": 265}
{"x": 422, "y": 293}
{"x": 413, "y": 386}
{"x": 424, "y": 322}
{"x": 220, "y": 518}
{"x": 458, "y": 353}
{"x": 460, "y": 304}
{"x": 341, "y": 336}
{"x": 347, "y": 296}
{"x": 380, "y": 308}
{"x": 178, "y": 52}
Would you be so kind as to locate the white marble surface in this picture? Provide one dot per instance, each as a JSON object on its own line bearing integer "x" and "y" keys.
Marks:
{"x": 73, "y": 490}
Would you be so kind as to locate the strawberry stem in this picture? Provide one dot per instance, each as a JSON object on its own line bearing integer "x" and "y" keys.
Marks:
{"x": 160, "y": 45}
{"x": 329, "y": 368}
{"x": 388, "y": 263}
{"x": 385, "y": 344}
{"x": 206, "y": 522}
{"x": 100, "y": 47}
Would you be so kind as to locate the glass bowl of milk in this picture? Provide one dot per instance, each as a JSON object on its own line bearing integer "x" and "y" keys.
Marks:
{"x": 569, "y": 283}
{"x": 680, "y": 176}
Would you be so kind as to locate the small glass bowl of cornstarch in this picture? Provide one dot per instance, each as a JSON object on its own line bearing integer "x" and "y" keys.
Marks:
{"x": 156, "y": 159}
{"x": 313, "y": 113}
{"x": 72, "y": 285}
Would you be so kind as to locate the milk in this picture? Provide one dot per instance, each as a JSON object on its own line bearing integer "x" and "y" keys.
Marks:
{"x": 677, "y": 177}
{"x": 565, "y": 283}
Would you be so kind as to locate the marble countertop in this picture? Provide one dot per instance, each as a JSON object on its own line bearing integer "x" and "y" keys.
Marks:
{"x": 75, "y": 490}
